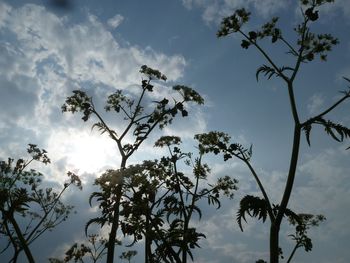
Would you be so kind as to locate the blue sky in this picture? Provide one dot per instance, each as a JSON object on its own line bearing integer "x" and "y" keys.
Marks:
{"x": 47, "y": 51}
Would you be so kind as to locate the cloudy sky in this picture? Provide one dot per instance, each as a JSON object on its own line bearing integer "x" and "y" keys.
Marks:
{"x": 49, "y": 48}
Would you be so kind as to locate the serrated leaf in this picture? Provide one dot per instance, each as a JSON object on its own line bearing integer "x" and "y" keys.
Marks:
{"x": 307, "y": 130}
{"x": 254, "y": 207}
{"x": 266, "y": 70}
{"x": 348, "y": 80}
{"x": 337, "y": 131}
{"x": 97, "y": 220}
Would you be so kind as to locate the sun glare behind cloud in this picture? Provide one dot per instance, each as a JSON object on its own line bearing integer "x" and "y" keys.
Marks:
{"x": 84, "y": 152}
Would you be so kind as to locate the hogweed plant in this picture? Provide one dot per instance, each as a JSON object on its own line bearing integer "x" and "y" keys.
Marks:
{"x": 307, "y": 47}
{"x": 140, "y": 118}
{"x": 27, "y": 209}
{"x": 159, "y": 201}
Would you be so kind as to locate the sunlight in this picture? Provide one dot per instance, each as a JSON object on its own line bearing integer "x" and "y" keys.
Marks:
{"x": 84, "y": 152}
{"x": 88, "y": 153}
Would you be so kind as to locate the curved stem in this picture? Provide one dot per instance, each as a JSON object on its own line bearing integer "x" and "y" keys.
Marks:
{"x": 262, "y": 189}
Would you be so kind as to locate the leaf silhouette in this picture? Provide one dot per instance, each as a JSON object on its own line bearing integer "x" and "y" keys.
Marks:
{"x": 97, "y": 220}
{"x": 307, "y": 130}
{"x": 269, "y": 71}
{"x": 337, "y": 131}
{"x": 252, "y": 205}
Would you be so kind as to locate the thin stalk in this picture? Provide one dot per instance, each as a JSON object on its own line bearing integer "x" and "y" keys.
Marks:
{"x": 267, "y": 57}
{"x": 311, "y": 120}
{"x": 21, "y": 239}
{"x": 292, "y": 253}
{"x": 262, "y": 189}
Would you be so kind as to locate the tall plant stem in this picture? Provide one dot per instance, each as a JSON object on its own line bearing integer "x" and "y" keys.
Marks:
{"x": 22, "y": 240}
{"x": 275, "y": 226}
{"x": 115, "y": 223}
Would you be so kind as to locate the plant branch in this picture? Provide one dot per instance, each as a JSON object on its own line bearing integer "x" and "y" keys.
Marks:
{"x": 265, "y": 55}
{"x": 311, "y": 120}
{"x": 261, "y": 187}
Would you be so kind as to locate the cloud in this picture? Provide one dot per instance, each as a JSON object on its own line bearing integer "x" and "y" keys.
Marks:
{"x": 321, "y": 187}
{"x": 83, "y": 152}
{"x": 81, "y": 52}
{"x": 115, "y": 21}
{"x": 215, "y": 10}
{"x": 326, "y": 189}
{"x": 315, "y": 103}
{"x": 44, "y": 57}
{"x": 338, "y": 7}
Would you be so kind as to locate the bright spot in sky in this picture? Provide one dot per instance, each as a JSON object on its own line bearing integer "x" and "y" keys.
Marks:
{"x": 88, "y": 154}
{"x": 84, "y": 152}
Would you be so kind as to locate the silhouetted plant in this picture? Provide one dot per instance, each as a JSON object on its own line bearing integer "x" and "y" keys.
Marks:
{"x": 140, "y": 121}
{"x": 302, "y": 224}
{"x": 27, "y": 209}
{"x": 308, "y": 46}
{"x": 159, "y": 202}
{"x": 93, "y": 250}
{"x": 128, "y": 255}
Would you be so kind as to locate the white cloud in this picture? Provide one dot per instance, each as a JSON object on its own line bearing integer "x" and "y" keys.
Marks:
{"x": 47, "y": 57}
{"x": 187, "y": 3}
{"x": 4, "y": 13}
{"x": 326, "y": 189}
{"x": 115, "y": 21}
{"x": 315, "y": 103}
{"x": 321, "y": 187}
{"x": 339, "y": 6}
{"x": 80, "y": 52}
{"x": 215, "y": 10}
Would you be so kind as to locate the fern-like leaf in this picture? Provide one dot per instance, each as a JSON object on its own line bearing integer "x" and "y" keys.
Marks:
{"x": 292, "y": 216}
{"x": 100, "y": 126}
{"x": 347, "y": 79}
{"x": 337, "y": 131}
{"x": 97, "y": 220}
{"x": 254, "y": 207}
{"x": 196, "y": 208}
{"x": 96, "y": 195}
{"x": 268, "y": 71}
{"x": 307, "y": 130}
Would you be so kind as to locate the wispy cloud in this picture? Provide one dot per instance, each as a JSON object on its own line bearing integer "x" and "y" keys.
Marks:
{"x": 315, "y": 103}
{"x": 215, "y": 10}
{"x": 115, "y": 21}
{"x": 48, "y": 56}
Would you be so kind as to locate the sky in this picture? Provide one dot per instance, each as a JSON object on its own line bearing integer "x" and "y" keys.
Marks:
{"x": 49, "y": 48}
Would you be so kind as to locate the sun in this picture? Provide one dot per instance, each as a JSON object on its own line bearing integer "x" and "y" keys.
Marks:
{"x": 89, "y": 154}
{"x": 84, "y": 152}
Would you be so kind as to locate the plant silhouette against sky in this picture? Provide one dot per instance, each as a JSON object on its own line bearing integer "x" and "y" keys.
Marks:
{"x": 28, "y": 210}
{"x": 140, "y": 122}
{"x": 307, "y": 48}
